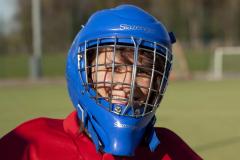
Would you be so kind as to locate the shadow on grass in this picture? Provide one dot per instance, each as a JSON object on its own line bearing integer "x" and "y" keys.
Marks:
{"x": 218, "y": 144}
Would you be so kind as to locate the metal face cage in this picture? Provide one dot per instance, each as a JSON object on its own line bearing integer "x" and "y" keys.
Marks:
{"x": 125, "y": 78}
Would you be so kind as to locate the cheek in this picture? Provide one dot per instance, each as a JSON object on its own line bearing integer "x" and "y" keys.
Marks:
{"x": 144, "y": 82}
{"x": 101, "y": 76}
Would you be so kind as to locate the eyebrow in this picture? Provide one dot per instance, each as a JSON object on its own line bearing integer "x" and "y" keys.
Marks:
{"x": 119, "y": 58}
{"x": 124, "y": 58}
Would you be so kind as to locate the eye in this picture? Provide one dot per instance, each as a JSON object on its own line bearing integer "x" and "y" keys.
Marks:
{"x": 117, "y": 69}
{"x": 109, "y": 68}
{"x": 120, "y": 68}
{"x": 144, "y": 72}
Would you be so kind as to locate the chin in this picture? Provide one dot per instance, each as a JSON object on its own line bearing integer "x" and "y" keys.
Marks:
{"x": 119, "y": 102}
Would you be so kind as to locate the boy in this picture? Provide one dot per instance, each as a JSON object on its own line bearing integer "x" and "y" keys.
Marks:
{"x": 117, "y": 72}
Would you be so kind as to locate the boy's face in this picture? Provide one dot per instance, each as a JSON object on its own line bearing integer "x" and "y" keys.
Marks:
{"x": 121, "y": 76}
{"x": 117, "y": 83}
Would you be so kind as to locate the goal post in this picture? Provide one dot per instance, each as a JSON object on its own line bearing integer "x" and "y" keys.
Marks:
{"x": 35, "y": 67}
{"x": 218, "y": 59}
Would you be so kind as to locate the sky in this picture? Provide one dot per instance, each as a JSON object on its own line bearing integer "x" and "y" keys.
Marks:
{"x": 8, "y": 9}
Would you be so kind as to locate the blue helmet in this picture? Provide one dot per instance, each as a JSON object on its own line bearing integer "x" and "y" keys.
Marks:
{"x": 119, "y": 128}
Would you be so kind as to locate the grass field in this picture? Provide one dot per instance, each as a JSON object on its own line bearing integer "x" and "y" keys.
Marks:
{"x": 205, "y": 114}
{"x": 17, "y": 65}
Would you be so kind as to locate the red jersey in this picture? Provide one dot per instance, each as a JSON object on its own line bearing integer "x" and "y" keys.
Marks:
{"x": 52, "y": 139}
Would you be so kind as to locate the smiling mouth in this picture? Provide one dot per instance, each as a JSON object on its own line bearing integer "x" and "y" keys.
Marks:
{"x": 119, "y": 100}
{"x": 124, "y": 100}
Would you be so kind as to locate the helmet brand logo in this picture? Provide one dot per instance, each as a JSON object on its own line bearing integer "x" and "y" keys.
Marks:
{"x": 120, "y": 125}
{"x": 135, "y": 27}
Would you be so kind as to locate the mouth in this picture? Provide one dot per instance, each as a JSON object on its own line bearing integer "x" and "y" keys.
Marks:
{"x": 117, "y": 99}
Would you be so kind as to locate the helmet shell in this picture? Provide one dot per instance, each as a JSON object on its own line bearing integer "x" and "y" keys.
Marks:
{"x": 125, "y": 20}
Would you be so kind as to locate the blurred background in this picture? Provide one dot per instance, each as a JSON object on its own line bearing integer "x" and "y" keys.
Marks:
{"x": 201, "y": 104}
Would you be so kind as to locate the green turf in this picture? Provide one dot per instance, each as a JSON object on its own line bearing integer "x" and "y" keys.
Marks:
{"x": 205, "y": 114}
{"x": 13, "y": 66}
{"x": 231, "y": 63}
{"x": 17, "y": 65}
{"x": 22, "y": 102}
{"x": 198, "y": 60}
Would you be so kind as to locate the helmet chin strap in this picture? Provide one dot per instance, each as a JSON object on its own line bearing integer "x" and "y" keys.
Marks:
{"x": 152, "y": 139}
{"x": 87, "y": 123}
{"x": 94, "y": 135}
{"x": 95, "y": 130}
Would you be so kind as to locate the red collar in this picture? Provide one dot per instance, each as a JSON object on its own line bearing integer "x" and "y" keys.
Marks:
{"x": 71, "y": 124}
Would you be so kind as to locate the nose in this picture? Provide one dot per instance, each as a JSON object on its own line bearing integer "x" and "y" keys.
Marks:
{"x": 123, "y": 80}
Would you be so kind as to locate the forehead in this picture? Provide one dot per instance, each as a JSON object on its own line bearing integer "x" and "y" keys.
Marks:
{"x": 124, "y": 54}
